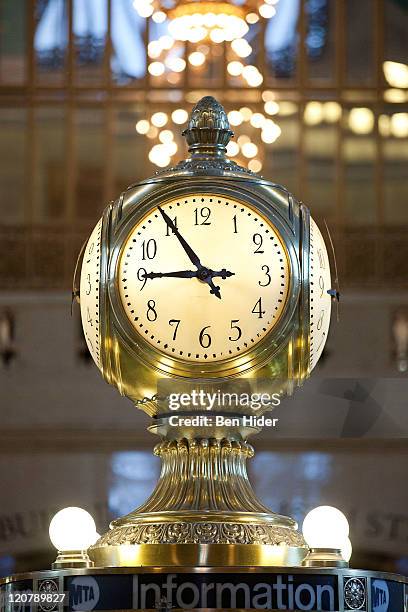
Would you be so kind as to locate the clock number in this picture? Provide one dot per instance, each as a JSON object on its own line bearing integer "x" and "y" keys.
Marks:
{"x": 234, "y": 218}
{"x": 141, "y": 276}
{"x": 204, "y": 338}
{"x": 321, "y": 258}
{"x": 170, "y": 229}
{"x": 202, "y": 215}
{"x": 321, "y": 285}
{"x": 89, "y": 289}
{"x": 177, "y": 322}
{"x": 257, "y": 309}
{"x": 320, "y": 321}
{"x": 151, "y": 313}
{"x": 90, "y": 251}
{"x": 88, "y": 317}
{"x": 268, "y": 277}
{"x": 258, "y": 241}
{"x": 233, "y": 326}
{"x": 149, "y": 249}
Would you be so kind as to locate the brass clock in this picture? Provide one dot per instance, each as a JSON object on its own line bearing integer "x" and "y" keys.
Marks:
{"x": 205, "y": 270}
{"x": 205, "y": 274}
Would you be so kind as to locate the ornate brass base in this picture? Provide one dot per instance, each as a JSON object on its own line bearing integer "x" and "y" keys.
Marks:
{"x": 203, "y": 512}
{"x": 199, "y": 555}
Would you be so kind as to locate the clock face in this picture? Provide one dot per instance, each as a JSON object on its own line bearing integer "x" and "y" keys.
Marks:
{"x": 320, "y": 300}
{"x": 203, "y": 278}
{"x": 89, "y": 292}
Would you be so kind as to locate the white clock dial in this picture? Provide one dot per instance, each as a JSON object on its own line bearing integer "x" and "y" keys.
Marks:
{"x": 89, "y": 292}
{"x": 187, "y": 317}
{"x": 320, "y": 300}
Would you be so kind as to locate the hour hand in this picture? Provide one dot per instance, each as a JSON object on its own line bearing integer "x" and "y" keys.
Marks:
{"x": 179, "y": 274}
{"x": 222, "y": 273}
{"x": 214, "y": 289}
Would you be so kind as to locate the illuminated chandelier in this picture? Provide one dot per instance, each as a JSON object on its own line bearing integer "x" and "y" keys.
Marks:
{"x": 209, "y": 21}
{"x": 216, "y": 20}
{"x": 196, "y": 21}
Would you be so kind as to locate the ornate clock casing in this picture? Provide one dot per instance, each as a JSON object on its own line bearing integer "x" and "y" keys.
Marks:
{"x": 204, "y": 274}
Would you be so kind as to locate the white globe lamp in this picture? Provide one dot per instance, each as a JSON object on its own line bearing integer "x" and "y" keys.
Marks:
{"x": 326, "y": 532}
{"x": 72, "y": 531}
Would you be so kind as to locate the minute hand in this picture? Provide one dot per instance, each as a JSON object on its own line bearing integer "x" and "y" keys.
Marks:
{"x": 191, "y": 254}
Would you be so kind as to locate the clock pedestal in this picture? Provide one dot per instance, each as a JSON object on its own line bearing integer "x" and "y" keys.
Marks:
{"x": 203, "y": 511}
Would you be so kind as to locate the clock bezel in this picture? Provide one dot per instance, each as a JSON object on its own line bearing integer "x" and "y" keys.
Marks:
{"x": 231, "y": 366}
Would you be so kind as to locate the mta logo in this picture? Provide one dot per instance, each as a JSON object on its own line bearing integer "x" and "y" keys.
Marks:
{"x": 380, "y": 596}
{"x": 84, "y": 593}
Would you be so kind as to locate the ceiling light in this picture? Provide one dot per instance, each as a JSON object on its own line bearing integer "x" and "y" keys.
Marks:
{"x": 166, "y": 42}
{"x": 249, "y": 149}
{"x": 252, "y": 76}
{"x": 142, "y": 126}
{"x": 395, "y": 96}
{"x": 243, "y": 139}
{"x": 252, "y": 18}
{"x": 235, "y": 117}
{"x": 246, "y": 113}
{"x": 267, "y": 11}
{"x": 270, "y": 132}
{"x": 331, "y": 111}
{"x": 159, "y": 119}
{"x": 179, "y": 116}
{"x": 255, "y": 165}
{"x": 313, "y": 114}
{"x": 361, "y": 120}
{"x": 154, "y": 49}
{"x": 271, "y": 107}
{"x": 257, "y": 120}
{"x": 159, "y": 156}
{"x": 241, "y": 47}
{"x": 152, "y": 133}
{"x": 176, "y": 64}
{"x": 145, "y": 10}
{"x": 396, "y": 74}
{"x": 235, "y": 68}
{"x": 197, "y": 58}
{"x": 399, "y": 125}
{"x": 232, "y": 149}
{"x": 159, "y": 17}
{"x": 166, "y": 136}
{"x": 156, "y": 68}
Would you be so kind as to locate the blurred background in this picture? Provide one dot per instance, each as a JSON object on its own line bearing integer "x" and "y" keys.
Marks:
{"x": 94, "y": 95}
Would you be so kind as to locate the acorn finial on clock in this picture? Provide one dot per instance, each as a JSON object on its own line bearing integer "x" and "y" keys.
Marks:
{"x": 208, "y": 127}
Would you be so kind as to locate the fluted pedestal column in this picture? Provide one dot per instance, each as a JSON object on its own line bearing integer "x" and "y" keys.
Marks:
{"x": 202, "y": 512}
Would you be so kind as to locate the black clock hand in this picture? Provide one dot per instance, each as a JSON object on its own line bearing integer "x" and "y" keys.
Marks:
{"x": 213, "y": 288}
{"x": 193, "y": 257}
{"x": 181, "y": 274}
{"x": 201, "y": 274}
{"x": 222, "y": 273}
